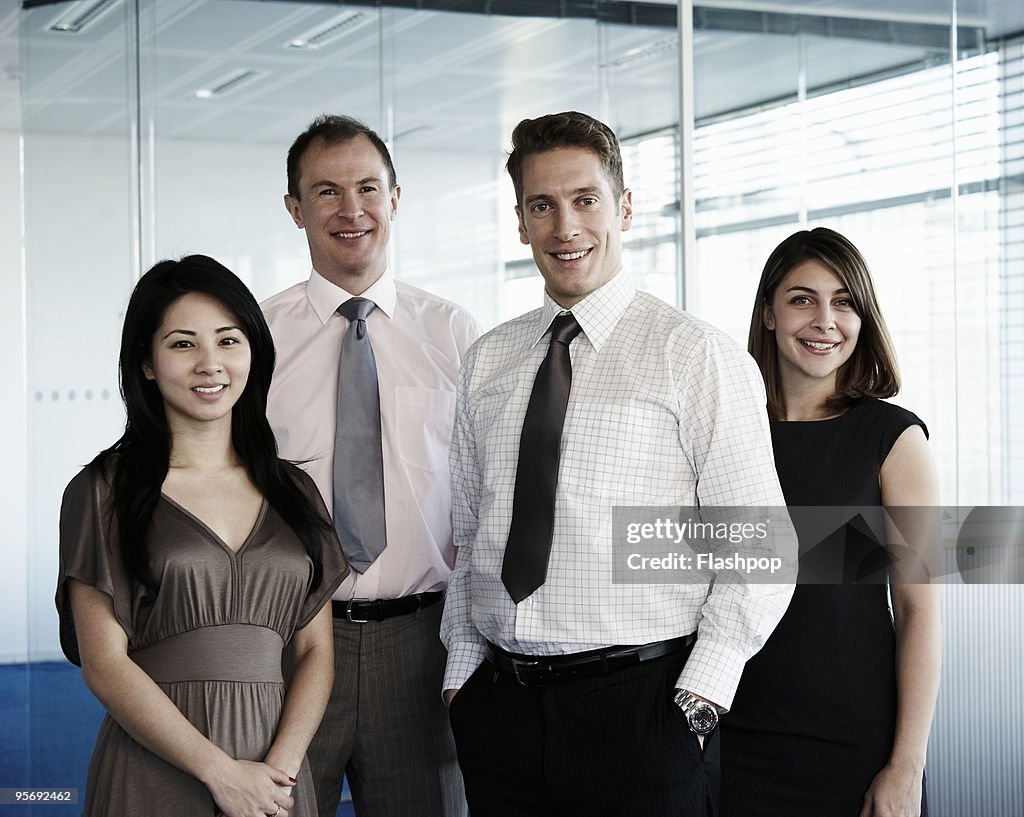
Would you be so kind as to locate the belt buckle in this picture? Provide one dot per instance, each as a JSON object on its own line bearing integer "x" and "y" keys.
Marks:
{"x": 516, "y": 664}
{"x": 348, "y": 612}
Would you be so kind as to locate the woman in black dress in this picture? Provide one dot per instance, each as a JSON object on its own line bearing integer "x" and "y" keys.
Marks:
{"x": 832, "y": 716}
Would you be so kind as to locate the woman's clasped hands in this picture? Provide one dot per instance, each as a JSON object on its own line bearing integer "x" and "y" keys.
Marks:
{"x": 244, "y": 788}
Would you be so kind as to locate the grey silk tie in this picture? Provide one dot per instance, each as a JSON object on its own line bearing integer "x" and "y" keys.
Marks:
{"x": 525, "y": 565}
{"x": 358, "y": 458}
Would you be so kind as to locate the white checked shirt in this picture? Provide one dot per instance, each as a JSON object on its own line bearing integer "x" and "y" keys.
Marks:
{"x": 665, "y": 410}
{"x": 418, "y": 342}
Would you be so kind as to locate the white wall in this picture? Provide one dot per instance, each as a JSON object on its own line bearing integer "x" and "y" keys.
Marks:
{"x": 13, "y": 495}
{"x": 226, "y": 200}
{"x": 451, "y": 217}
{"x": 78, "y": 272}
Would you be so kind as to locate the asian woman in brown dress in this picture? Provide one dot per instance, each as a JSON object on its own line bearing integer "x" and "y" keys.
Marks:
{"x": 191, "y": 557}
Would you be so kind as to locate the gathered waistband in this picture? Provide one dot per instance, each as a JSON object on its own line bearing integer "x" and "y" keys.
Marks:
{"x": 230, "y": 652}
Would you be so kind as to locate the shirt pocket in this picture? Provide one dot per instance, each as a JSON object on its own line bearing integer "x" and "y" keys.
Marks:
{"x": 425, "y": 419}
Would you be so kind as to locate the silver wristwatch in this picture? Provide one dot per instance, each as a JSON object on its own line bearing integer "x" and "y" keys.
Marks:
{"x": 701, "y": 715}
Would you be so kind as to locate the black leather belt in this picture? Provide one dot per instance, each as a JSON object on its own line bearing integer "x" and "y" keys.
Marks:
{"x": 359, "y": 611}
{"x": 542, "y": 670}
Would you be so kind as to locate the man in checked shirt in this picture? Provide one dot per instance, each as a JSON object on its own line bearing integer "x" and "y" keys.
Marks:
{"x": 569, "y": 693}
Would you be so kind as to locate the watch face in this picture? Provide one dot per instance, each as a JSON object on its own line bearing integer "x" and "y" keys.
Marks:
{"x": 703, "y": 718}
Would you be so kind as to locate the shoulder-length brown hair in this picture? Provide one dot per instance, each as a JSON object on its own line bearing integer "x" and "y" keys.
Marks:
{"x": 872, "y": 370}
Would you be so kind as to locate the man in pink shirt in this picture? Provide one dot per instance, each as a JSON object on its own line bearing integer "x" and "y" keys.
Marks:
{"x": 363, "y": 397}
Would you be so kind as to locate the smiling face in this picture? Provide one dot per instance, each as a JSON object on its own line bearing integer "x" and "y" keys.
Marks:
{"x": 816, "y": 326}
{"x": 346, "y": 208}
{"x": 199, "y": 360}
{"x": 573, "y": 221}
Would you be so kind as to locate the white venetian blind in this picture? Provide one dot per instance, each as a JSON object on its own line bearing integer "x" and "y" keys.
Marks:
{"x": 878, "y": 162}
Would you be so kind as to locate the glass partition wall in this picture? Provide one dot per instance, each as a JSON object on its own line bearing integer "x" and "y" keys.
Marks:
{"x": 155, "y": 129}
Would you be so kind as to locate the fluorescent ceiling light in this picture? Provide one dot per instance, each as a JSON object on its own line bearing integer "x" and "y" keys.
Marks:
{"x": 228, "y": 83}
{"x": 81, "y": 16}
{"x": 325, "y": 33}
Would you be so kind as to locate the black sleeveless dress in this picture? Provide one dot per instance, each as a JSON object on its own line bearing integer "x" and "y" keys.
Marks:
{"x": 813, "y": 719}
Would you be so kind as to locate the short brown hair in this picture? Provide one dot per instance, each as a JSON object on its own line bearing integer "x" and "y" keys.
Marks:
{"x": 333, "y": 130}
{"x": 872, "y": 370}
{"x": 570, "y": 129}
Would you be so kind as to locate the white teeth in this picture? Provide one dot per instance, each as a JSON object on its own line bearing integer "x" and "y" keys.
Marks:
{"x": 352, "y": 235}
{"x": 815, "y": 344}
{"x": 209, "y": 389}
{"x": 570, "y": 256}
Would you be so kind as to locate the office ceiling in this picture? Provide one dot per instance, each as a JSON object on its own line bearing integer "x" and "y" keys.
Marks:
{"x": 436, "y": 79}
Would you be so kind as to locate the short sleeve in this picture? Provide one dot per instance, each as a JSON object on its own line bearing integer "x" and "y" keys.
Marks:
{"x": 894, "y": 421}
{"x": 90, "y": 552}
{"x": 335, "y": 566}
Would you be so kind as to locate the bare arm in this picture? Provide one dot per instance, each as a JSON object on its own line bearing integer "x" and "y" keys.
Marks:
{"x": 240, "y": 788}
{"x": 908, "y": 478}
{"x": 307, "y": 694}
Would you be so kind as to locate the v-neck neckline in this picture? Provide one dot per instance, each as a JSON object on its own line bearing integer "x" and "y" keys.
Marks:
{"x": 212, "y": 534}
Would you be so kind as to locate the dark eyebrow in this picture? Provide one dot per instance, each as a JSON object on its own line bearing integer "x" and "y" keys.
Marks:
{"x": 329, "y": 183}
{"x": 579, "y": 191}
{"x": 192, "y": 334}
{"x": 840, "y": 291}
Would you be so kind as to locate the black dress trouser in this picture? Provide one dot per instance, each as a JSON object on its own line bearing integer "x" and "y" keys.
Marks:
{"x": 611, "y": 746}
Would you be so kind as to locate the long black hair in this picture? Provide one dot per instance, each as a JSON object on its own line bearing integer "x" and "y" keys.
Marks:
{"x": 141, "y": 456}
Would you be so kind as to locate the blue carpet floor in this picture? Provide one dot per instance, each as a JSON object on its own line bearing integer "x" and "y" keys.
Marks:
{"x": 48, "y": 723}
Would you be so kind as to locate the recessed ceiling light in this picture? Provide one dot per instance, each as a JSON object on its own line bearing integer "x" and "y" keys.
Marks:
{"x": 333, "y": 29}
{"x": 227, "y": 83}
{"x": 81, "y": 16}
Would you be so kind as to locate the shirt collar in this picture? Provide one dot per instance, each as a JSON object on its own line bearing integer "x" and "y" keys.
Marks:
{"x": 596, "y": 314}
{"x": 325, "y": 297}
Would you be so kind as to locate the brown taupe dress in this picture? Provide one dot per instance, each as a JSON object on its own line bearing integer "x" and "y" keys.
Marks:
{"x": 211, "y": 637}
